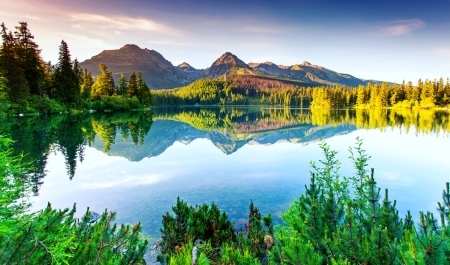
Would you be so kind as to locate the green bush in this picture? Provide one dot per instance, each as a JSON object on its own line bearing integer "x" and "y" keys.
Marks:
{"x": 115, "y": 103}
{"x": 53, "y": 236}
{"x": 45, "y": 105}
{"x": 338, "y": 220}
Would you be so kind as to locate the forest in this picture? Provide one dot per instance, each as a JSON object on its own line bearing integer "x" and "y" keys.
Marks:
{"x": 30, "y": 85}
{"x": 251, "y": 91}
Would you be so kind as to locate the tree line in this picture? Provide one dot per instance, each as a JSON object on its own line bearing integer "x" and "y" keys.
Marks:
{"x": 28, "y": 83}
{"x": 243, "y": 91}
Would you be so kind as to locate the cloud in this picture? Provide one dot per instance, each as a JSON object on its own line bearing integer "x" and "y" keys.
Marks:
{"x": 400, "y": 27}
{"x": 116, "y": 23}
{"x": 262, "y": 29}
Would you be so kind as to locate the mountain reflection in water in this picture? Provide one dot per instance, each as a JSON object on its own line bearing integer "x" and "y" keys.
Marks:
{"x": 147, "y": 187}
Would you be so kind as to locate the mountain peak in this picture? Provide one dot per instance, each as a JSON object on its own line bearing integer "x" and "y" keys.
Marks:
{"x": 305, "y": 63}
{"x": 184, "y": 65}
{"x": 229, "y": 58}
{"x": 226, "y": 62}
{"x": 130, "y": 46}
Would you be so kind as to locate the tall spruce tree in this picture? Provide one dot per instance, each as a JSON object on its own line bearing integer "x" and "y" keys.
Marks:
{"x": 28, "y": 54}
{"x": 66, "y": 82}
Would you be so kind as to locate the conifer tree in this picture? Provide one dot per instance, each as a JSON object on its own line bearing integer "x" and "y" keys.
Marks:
{"x": 66, "y": 82}
{"x": 123, "y": 86}
{"x": 132, "y": 86}
{"x": 144, "y": 94}
{"x": 86, "y": 86}
{"x": 104, "y": 84}
{"x": 28, "y": 54}
{"x": 11, "y": 68}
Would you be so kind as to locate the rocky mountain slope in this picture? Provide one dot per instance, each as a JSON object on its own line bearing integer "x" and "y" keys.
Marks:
{"x": 309, "y": 73}
{"x": 157, "y": 71}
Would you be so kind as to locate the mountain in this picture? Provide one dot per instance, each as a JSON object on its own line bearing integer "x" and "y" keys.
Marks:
{"x": 159, "y": 73}
{"x": 156, "y": 70}
{"x": 227, "y": 63}
{"x": 310, "y": 73}
{"x": 190, "y": 72}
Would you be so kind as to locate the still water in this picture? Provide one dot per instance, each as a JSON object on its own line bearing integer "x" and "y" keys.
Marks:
{"x": 137, "y": 163}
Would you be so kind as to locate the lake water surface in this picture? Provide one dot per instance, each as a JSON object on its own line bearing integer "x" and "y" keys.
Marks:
{"x": 137, "y": 163}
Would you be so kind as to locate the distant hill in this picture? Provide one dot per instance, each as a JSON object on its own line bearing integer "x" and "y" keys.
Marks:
{"x": 157, "y": 71}
{"x": 308, "y": 72}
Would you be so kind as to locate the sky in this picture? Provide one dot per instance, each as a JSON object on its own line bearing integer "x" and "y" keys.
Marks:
{"x": 384, "y": 40}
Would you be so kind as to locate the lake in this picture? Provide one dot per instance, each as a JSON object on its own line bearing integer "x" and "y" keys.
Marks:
{"x": 137, "y": 163}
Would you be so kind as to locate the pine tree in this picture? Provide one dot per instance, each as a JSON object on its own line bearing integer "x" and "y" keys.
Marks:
{"x": 104, "y": 84}
{"x": 86, "y": 86}
{"x": 11, "y": 68}
{"x": 123, "y": 86}
{"x": 28, "y": 54}
{"x": 144, "y": 94}
{"x": 132, "y": 86}
{"x": 66, "y": 82}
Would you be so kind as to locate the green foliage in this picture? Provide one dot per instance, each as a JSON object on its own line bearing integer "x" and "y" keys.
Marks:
{"x": 4, "y": 102}
{"x": 369, "y": 231}
{"x": 66, "y": 79}
{"x": 123, "y": 86}
{"x": 86, "y": 85}
{"x": 54, "y": 236}
{"x": 45, "y": 105}
{"x": 204, "y": 223}
{"x": 13, "y": 186}
{"x": 104, "y": 84}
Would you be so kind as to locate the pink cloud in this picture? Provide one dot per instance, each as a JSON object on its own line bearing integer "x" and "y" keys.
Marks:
{"x": 400, "y": 27}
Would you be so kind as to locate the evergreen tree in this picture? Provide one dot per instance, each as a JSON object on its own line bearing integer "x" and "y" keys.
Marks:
{"x": 86, "y": 86}
{"x": 123, "y": 86}
{"x": 66, "y": 80}
{"x": 11, "y": 68}
{"x": 104, "y": 84}
{"x": 132, "y": 86}
{"x": 28, "y": 54}
{"x": 144, "y": 94}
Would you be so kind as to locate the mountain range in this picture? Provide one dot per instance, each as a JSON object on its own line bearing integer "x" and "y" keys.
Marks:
{"x": 159, "y": 73}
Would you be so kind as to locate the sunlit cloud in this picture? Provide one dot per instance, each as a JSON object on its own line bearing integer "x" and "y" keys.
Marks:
{"x": 121, "y": 22}
{"x": 88, "y": 40}
{"x": 400, "y": 27}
